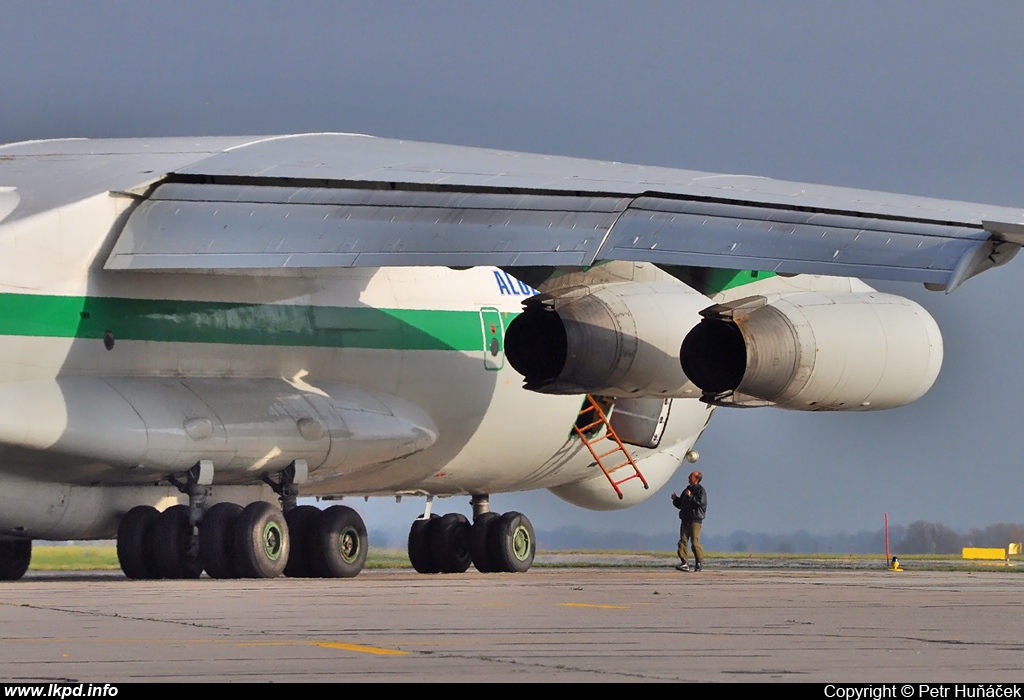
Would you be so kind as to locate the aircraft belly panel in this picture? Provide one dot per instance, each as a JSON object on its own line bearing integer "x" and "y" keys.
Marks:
{"x": 143, "y": 429}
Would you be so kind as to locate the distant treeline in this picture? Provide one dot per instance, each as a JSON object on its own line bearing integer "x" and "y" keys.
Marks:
{"x": 917, "y": 538}
{"x": 935, "y": 538}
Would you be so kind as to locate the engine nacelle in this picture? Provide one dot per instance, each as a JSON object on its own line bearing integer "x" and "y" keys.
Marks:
{"x": 620, "y": 339}
{"x": 812, "y": 351}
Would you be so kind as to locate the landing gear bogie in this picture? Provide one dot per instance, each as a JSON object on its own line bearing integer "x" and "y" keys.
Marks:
{"x": 217, "y": 540}
{"x": 303, "y": 529}
{"x": 133, "y": 551}
{"x": 15, "y": 556}
{"x": 420, "y": 554}
{"x": 449, "y": 540}
{"x": 261, "y": 541}
{"x": 170, "y": 541}
{"x": 493, "y": 543}
{"x": 478, "y": 547}
{"x": 340, "y": 545}
{"x": 512, "y": 543}
{"x": 258, "y": 541}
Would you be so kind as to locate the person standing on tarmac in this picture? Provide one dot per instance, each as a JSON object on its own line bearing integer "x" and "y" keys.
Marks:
{"x": 692, "y": 505}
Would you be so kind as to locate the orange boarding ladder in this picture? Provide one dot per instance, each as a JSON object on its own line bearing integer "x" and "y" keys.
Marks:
{"x": 605, "y": 457}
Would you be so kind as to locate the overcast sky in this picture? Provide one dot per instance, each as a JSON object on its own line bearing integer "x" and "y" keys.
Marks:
{"x": 924, "y": 98}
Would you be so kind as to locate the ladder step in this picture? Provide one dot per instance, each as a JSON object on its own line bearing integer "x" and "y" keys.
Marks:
{"x": 632, "y": 476}
{"x": 619, "y": 447}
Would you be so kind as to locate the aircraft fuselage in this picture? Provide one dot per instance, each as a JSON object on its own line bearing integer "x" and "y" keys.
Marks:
{"x": 232, "y": 350}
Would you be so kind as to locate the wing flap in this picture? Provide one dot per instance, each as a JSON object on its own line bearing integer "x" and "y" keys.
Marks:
{"x": 210, "y": 227}
{"x": 708, "y": 234}
{"x": 262, "y": 224}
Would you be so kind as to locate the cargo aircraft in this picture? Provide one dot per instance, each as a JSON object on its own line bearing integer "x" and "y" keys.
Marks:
{"x": 196, "y": 332}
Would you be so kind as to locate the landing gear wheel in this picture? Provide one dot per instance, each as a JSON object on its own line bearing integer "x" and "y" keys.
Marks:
{"x": 341, "y": 543}
{"x": 170, "y": 536}
{"x": 261, "y": 541}
{"x": 449, "y": 543}
{"x": 217, "y": 540}
{"x": 419, "y": 546}
{"x": 512, "y": 542}
{"x": 15, "y": 556}
{"x": 303, "y": 526}
{"x": 478, "y": 549}
{"x": 132, "y": 542}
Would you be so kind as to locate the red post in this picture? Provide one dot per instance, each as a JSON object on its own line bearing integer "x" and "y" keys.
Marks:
{"x": 887, "y": 539}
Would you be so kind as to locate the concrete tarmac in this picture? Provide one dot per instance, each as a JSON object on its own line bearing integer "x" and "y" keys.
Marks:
{"x": 570, "y": 624}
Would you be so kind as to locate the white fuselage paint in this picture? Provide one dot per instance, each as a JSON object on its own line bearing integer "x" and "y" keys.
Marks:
{"x": 493, "y": 435}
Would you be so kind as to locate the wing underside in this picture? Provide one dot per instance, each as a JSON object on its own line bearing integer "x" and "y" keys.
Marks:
{"x": 188, "y": 225}
{"x": 344, "y": 200}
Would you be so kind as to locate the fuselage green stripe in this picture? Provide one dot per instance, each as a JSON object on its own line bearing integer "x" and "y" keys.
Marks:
{"x": 238, "y": 323}
{"x": 721, "y": 280}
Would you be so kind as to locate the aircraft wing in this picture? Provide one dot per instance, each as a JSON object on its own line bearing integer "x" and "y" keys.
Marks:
{"x": 344, "y": 200}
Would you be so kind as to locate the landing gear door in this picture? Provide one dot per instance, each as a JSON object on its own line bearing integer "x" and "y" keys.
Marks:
{"x": 493, "y": 331}
{"x": 640, "y": 422}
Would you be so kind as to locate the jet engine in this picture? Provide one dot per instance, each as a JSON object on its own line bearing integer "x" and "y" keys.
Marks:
{"x": 619, "y": 340}
{"x": 813, "y": 351}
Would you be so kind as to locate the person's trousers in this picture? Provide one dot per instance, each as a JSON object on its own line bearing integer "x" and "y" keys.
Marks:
{"x": 690, "y": 532}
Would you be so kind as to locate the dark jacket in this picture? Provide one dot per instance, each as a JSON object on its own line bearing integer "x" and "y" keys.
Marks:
{"x": 693, "y": 507}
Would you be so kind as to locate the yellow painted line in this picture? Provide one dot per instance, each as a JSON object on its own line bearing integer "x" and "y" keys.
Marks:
{"x": 359, "y": 648}
{"x": 224, "y": 643}
{"x": 594, "y": 605}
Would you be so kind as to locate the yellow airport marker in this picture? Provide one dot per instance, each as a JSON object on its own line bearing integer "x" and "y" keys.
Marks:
{"x": 990, "y": 553}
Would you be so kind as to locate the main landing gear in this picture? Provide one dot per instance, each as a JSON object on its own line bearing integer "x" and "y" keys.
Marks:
{"x": 259, "y": 540}
{"x": 15, "y": 556}
{"x": 327, "y": 543}
{"x": 493, "y": 543}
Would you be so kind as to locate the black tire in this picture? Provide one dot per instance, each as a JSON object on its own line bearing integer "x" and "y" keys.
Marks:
{"x": 261, "y": 541}
{"x": 449, "y": 543}
{"x": 512, "y": 542}
{"x": 15, "y": 556}
{"x": 217, "y": 540}
{"x": 303, "y": 527}
{"x": 170, "y": 538}
{"x": 419, "y": 546}
{"x": 341, "y": 543}
{"x": 132, "y": 542}
{"x": 478, "y": 549}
